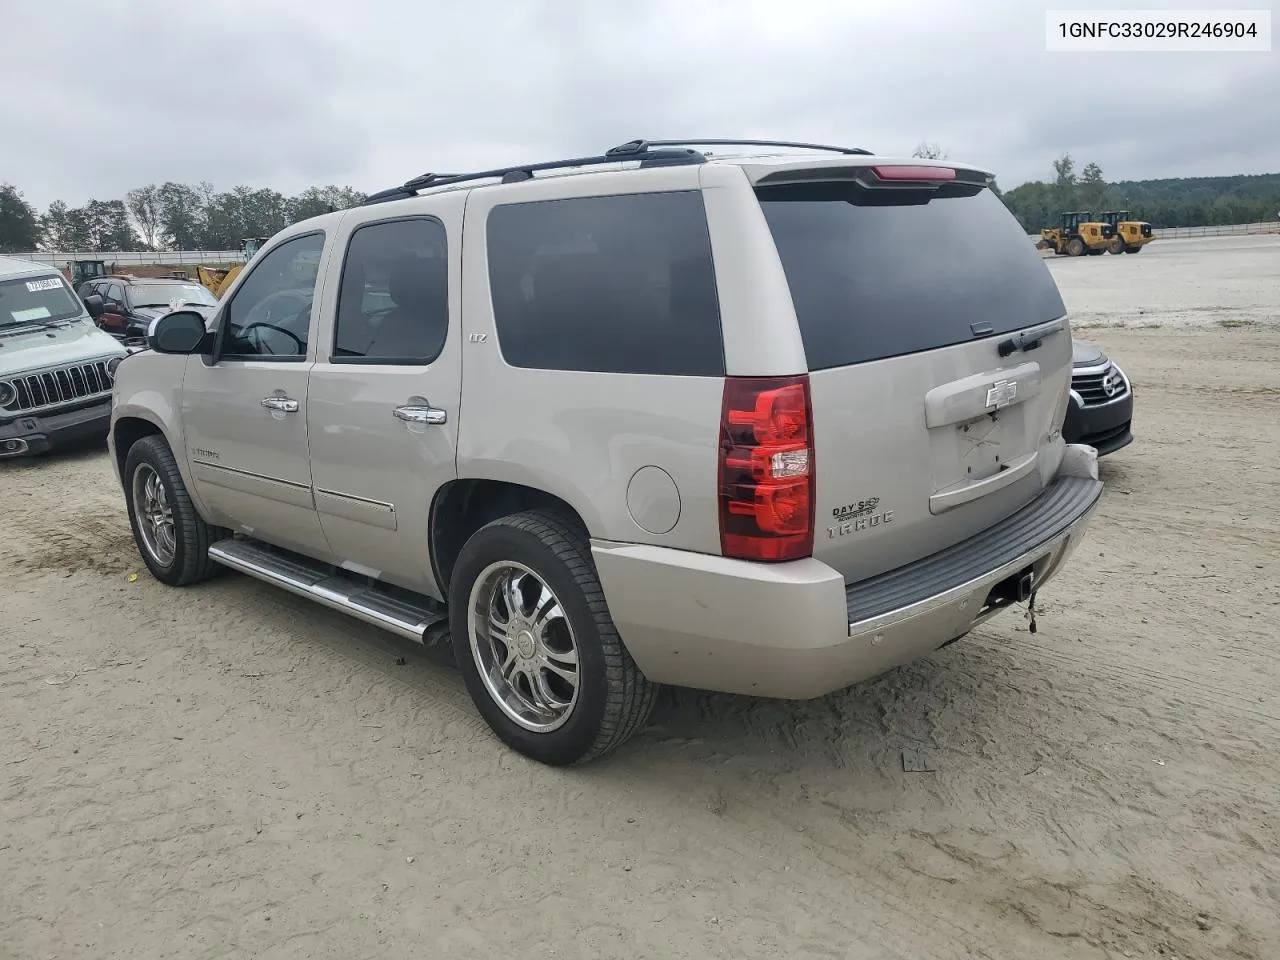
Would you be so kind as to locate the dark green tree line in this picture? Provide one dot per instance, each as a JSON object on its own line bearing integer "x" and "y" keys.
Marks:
{"x": 181, "y": 216}
{"x": 167, "y": 216}
{"x": 1175, "y": 202}
{"x": 20, "y": 227}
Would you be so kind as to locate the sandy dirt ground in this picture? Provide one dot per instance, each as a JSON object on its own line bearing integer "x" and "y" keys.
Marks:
{"x": 226, "y": 771}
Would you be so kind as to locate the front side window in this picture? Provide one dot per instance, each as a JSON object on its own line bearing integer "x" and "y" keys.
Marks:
{"x": 613, "y": 284}
{"x": 36, "y": 300}
{"x": 270, "y": 315}
{"x": 393, "y": 306}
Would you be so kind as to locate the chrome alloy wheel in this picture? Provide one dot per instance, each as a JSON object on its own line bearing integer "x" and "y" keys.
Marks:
{"x": 523, "y": 646}
{"x": 154, "y": 515}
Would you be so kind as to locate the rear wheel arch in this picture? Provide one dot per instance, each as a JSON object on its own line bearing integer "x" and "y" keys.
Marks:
{"x": 463, "y": 506}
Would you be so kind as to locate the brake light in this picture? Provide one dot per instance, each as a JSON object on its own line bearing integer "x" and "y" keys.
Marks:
{"x": 766, "y": 470}
{"x": 914, "y": 173}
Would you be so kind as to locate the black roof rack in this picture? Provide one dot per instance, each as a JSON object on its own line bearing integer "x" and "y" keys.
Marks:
{"x": 650, "y": 153}
{"x": 642, "y": 145}
{"x": 525, "y": 171}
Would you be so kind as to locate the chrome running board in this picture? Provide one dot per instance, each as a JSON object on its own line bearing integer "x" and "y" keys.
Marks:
{"x": 320, "y": 583}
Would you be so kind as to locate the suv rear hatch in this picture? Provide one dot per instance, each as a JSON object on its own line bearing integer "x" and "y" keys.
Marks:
{"x": 932, "y": 418}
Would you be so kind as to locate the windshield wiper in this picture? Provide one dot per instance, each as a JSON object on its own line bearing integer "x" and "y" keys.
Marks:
{"x": 26, "y": 326}
{"x": 1026, "y": 340}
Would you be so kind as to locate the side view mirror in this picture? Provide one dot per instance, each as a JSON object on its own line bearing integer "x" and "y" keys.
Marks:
{"x": 180, "y": 332}
{"x": 93, "y": 303}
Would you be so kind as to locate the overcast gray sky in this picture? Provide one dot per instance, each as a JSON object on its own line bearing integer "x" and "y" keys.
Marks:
{"x": 99, "y": 97}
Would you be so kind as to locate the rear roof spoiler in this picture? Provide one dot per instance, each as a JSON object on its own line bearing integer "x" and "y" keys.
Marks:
{"x": 874, "y": 173}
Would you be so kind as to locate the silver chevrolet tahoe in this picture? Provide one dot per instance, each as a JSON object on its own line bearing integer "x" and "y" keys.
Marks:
{"x": 768, "y": 422}
{"x": 56, "y": 366}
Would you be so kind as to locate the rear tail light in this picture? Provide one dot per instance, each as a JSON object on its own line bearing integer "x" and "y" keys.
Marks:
{"x": 766, "y": 472}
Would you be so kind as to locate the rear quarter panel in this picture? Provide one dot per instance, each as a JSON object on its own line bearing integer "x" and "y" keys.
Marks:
{"x": 583, "y": 436}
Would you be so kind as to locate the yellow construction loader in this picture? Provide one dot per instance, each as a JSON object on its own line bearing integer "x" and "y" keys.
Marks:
{"x": 82, "y": 271}
{"x": 1077, "y": 235}
{"x": 1130, "y": 235}
{"x": 219, "y": 279}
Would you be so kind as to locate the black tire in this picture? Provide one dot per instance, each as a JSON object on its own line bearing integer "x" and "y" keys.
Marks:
{"x": 614, "y": 698}
{"x": 192, "y": 536}
{"x": 1075, "y": 247}
{"x": 1133, "y": 249}
{"x": 1117, "y": 246}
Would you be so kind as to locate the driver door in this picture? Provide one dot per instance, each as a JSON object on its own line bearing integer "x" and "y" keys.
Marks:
{"x": 244, "y": 409}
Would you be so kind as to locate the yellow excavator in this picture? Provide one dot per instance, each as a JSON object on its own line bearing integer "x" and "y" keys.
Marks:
{"x": 1130, "y": 235}
{"x": 1078, "y": 234}
{"x": 219, "y": 279}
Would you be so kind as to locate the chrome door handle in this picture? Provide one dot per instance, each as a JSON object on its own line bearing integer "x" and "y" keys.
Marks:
{"x": 280, "y": 403}
{"x": 414, "y": 413}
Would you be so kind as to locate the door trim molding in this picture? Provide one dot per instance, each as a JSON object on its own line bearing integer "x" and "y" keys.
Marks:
{"x": 254, "y": 484}
{"x": 347, "y": 506}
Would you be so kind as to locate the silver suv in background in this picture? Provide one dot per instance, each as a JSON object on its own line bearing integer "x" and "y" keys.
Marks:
{"x": 767, "y": 423}
{"x": 56, "y": 366}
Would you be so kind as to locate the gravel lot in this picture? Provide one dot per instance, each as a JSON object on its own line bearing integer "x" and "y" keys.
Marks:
{"x": 229, "y": 772}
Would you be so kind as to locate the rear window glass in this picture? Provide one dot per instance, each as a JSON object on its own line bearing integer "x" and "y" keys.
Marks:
{"x": 616, "y": 284}
{"x": 883, "y": 280}
{"x": 36, "y": 299}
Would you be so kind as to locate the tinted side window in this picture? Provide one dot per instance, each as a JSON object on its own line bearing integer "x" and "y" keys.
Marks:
{"x": 620, "y": 284}
{"x": 270, "y": 315}
{"x": 115, "y": 294}
{"x": 393, "y": 306}
{"x": 872, "y": 276}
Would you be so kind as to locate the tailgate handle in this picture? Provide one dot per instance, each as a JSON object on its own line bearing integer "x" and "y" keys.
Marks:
{"x": 1013, "y": 471}
{"x": 980, "y": 394}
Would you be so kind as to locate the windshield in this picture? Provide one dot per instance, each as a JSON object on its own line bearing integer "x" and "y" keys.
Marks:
{"x": 37, "y": 299}
{"x": 159, "y": 294}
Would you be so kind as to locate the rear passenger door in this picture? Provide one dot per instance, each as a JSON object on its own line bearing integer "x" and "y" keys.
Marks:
{"x": 385, "y": 390}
